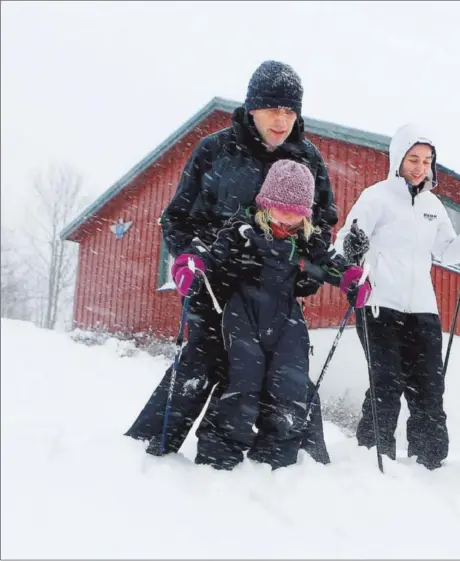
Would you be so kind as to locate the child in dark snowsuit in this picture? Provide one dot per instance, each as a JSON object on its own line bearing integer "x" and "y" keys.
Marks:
{"x": 263, "y": 326}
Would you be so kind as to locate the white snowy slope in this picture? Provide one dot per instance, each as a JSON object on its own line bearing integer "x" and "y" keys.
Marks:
{"x": 74, "y": 487}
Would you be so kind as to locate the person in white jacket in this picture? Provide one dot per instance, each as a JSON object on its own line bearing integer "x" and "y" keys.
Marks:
{"x": 400, "y": 225}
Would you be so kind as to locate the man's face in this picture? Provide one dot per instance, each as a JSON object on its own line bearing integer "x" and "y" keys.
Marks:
{"x": 416, "y": 165}
{"x": 274, "y": 125}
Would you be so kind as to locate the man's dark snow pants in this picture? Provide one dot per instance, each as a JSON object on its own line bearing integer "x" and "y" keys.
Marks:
{"x": 406, "y": 358}
{"x": 267, "y": 385}
{"x": 203, "y": 364}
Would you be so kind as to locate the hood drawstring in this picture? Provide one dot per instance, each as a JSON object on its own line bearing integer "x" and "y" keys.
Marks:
{"x": 209, "y": 289}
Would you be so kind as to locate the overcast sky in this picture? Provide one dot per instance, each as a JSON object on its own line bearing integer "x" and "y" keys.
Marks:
{"x": 98, "y": 85}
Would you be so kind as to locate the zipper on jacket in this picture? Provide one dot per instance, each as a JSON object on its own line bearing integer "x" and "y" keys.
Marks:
{"x": 414, "y": 191}
{"x": 414, "y": 236}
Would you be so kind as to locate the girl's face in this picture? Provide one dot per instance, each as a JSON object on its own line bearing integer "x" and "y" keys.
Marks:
{"x": 283, "y": 217}
{"x": 416, "y": 165}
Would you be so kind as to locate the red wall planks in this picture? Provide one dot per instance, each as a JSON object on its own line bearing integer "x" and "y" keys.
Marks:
{"x": 117, "y": 280}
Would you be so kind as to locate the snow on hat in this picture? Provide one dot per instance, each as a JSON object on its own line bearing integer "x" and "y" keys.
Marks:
{"x": 289, "y": 186}
{"x": 274, "y": 84}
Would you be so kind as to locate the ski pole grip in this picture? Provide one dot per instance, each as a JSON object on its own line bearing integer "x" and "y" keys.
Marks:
{"x": 354, "y": 226}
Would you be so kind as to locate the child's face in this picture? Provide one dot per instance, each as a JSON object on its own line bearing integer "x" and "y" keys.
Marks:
{"x": 416, "y": 165}
{"x": 283, "y": 217}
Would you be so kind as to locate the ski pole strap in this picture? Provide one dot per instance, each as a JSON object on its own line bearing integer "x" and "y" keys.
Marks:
{"x": 195, "y": 270}
{"x": 211, "y": 293}
{"x": 366, "y": 268}
{"x": 365, "y": 274}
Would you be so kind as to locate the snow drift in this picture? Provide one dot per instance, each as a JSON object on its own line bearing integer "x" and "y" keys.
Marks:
{"x": 74, "y": 487}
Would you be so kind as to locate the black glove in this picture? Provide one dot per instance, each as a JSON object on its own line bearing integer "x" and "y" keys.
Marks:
{"x": 330, "y": 270}
{"x": 355, "y": 245}
{"x": 317, "y": 249}
{"x": 305, "y": 285}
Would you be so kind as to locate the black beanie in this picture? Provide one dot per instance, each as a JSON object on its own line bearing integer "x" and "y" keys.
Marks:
{"x": 274, "y": 84}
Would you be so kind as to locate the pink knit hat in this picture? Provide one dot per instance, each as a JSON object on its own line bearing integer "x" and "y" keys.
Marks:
{"x": 288, "y": 186}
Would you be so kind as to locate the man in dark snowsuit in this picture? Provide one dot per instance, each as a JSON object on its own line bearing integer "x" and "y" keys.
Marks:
{"x": 223, "y": 175}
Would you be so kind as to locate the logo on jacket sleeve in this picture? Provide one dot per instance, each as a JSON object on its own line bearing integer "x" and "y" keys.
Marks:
{"x": 429, "y": 216}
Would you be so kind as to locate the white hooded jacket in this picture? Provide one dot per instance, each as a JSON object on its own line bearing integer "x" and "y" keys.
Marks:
{"x": 404, "y": 234}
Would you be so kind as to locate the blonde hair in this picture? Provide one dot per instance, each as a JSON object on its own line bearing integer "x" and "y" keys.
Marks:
{"x": 264, "y": 217}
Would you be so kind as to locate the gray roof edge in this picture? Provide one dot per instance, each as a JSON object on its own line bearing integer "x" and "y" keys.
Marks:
{"x": 451, "y": 268}
{"x": 449, "y": 171}
{"x": 326, "y": 128}
{"x": 314, "y": 126}
{"x": 347, "y": 134}
{"x": 338, "y": 132}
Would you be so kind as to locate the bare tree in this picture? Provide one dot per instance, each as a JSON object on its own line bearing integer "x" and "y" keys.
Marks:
{"x": 57, "y": 198}
{"x": 15, "y": 298}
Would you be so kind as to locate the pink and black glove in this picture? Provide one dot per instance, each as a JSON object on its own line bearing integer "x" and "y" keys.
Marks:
{"x": 186, "y": 279}
{"x": 357, "y": 295}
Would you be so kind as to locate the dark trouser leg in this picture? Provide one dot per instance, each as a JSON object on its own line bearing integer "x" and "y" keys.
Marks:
{"x": 201, "y": 364}
{"x": 313, "y": 436}
{"x": 222, "y": 444}
{"x": 227, "y": 430}
{"x": 426, "y": 427}
{"x": 282, "y": 415}
{"x": 386, "y": 363}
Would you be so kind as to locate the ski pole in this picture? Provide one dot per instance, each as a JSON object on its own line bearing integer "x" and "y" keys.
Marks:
{"x": 354, "y": 228}
{"x": 451, "y": 336}
{"x": 335, "y": 343}
{"x": 328, "y": 359}
{"x": 372, "y": 390}
{"x": 179, "y": 347}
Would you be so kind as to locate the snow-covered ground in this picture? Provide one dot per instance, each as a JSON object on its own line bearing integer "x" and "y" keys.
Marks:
{"x": 74, "y": 487}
